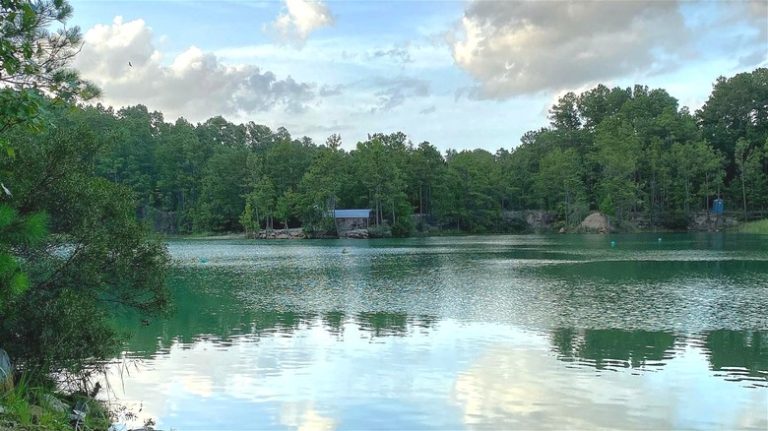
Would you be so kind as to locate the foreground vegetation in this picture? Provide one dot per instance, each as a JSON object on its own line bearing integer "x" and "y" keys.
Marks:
{"x": 29, "y": 406}
{"x": 71, "y": 248}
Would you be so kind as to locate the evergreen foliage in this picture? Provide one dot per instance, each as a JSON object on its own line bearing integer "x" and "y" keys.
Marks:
{"x": 71, "y": 248}
{"x": 632, "y": 153}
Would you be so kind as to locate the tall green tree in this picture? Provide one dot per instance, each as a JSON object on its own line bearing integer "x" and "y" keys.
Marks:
{"x": 559, "y": 184}
{"x": 617, "y": 153}
{"x": 751, "y": 179}
{"x": 223, "y": 187}
{"x": 263, "y": 198}
{"x": 469, "y": 192}
{"x": 34, "y": 59}
{"x": 735, "y": 110}
{"x": 321, "y": 185}
{"x": 427, "y": 167}
{"x": 87, "y": 266}
{"x": 380, "y": 175}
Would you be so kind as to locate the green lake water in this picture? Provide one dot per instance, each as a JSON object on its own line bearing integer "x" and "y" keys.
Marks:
{"x": 492, "y": 332}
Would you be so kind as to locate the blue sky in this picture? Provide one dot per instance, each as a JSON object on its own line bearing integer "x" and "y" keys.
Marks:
{"x": 460, "y": 74}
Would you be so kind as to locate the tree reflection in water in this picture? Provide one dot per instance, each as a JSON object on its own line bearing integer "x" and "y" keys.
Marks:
{"x": 740, "y": 356}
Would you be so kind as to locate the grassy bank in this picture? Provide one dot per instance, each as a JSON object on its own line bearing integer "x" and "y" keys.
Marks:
{"x": 758, "y": 226}
{"x": 26, "y": 406}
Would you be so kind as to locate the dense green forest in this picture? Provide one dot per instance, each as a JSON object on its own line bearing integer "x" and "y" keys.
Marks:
{"x": 632, "y": 153}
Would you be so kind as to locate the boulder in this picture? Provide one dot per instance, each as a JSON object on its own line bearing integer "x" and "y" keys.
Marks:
{"x": 597, "y": 223}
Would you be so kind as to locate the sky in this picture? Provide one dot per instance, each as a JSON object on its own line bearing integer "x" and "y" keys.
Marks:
{"x": 459, "y": 74}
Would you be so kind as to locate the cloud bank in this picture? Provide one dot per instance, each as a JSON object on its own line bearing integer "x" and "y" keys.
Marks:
{"x": 513, "y": 47}
{"x": 195, "y": 84}
{"x": 517, "y": 47}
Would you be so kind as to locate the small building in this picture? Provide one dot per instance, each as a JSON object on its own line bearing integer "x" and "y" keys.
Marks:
{"x": 352, "y": 219}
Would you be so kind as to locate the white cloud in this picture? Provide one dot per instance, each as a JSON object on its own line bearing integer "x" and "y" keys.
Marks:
{"x": 121, "y": 59}
{"x": 512, "y": 48}
{"x": 518, "y": 47}
{"x": 301, "y": 18}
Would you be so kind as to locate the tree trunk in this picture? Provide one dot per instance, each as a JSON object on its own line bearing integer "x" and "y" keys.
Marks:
{"x": 653, "y": 199}
{"x": 421, "y": 199}
{"x": 565, "y": 198}
{"x": 706, "y": 194}
{"x": 429, "y": 200}
{"x": 744, "y": 195}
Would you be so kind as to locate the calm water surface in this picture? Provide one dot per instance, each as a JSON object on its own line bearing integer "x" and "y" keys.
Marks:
{"x": 458, "y": 333}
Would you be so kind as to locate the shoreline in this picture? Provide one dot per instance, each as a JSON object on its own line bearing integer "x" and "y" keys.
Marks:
{"x": 594, "y": 223}
{"x": 241, "y": 236}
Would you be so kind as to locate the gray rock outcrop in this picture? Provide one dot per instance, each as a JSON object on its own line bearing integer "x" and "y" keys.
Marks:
{"x": 706, "y": 222}
{"x": 528, "y": 220}
{"x": 355, "y": 234}
{"x": 596, "y": 223}
{"x": 297, "y": 233}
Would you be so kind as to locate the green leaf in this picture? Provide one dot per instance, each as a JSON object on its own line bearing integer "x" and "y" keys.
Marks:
{"x": 19, "y": 283}
{"x": 7, "y": 216}
{"x": 35, "y": 227}
{"x": 29, "y": 15}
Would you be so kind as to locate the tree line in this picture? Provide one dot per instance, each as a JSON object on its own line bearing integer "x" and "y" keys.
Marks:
{"x": 631, "y": 153}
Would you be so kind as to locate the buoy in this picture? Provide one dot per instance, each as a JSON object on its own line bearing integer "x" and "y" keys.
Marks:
{"x": 613, "y": 243}
{"x": 659, "y": 239}
{"x": 203, "y": 260}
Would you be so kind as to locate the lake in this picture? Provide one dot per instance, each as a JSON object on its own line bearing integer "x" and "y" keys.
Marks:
{"x": 489, "y": 332}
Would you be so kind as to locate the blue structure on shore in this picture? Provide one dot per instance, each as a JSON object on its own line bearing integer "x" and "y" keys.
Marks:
{"x": 718, "y": 206}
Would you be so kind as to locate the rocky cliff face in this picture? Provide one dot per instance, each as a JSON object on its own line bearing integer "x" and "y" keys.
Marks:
{"x": 529, "y": 220}
{"x": 706, "y": 222}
